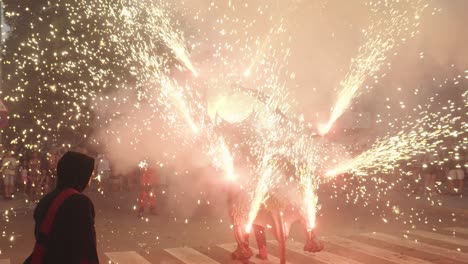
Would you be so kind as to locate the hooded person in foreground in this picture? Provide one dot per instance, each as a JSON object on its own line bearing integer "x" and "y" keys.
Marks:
{"x": 64, "y": 217}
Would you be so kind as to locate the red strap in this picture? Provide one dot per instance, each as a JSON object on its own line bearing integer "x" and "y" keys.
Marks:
{"x": 46, "y": 226}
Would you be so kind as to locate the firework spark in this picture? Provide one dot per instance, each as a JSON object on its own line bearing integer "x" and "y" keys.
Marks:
{"x": 264, "y": 184}
{"x": 390, "y": 25}
{"x": 385, "y": 154}
{"x": 222, "y": 158}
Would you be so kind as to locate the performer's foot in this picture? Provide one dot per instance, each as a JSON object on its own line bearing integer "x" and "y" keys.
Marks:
{"x": 242, "y": 253}
{"x": 262, "y": 253}
{"x": 313, "y": 245}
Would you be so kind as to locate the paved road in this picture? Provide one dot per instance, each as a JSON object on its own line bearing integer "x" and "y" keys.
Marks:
{"x": 201, "y": 234}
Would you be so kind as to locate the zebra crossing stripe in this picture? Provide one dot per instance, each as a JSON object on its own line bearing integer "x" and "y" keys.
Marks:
{"x": 271, "y": 259}
{"x": 322, "y": 256}
{"x": 451, "y": 254}
{"x": 5, "y": 261}
{"x": 439, "y": 237}
{"x": 190, "y": 256}
{"x": 374, "y": 251}
{"x": 126, "y": 257}
{"x": 458, "y": 230}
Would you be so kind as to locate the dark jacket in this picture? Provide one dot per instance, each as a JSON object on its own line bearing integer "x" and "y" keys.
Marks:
{"x": 73, "y": 237}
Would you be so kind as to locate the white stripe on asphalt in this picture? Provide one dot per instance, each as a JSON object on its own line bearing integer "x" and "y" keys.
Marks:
{"x": 127, "y": 257}
{"x": 373, "y": 251}
{"x": 458, "y": 230}
{"x": 5, "y": 261}
{"x": 190, "y": 256}
{"x": 452, "y": 254}
{"x": 322, "y": 256}
{"x": 439, "y": 237}
{"x": 271, "y": 259}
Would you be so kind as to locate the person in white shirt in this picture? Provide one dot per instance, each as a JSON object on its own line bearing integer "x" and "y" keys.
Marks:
{"x": 23, "y": 170}
{"x": 9, "y": 165}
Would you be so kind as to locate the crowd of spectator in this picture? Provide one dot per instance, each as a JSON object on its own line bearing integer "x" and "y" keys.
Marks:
{"x": 29, "y": 172}
{"x": 32, "y": 173}
{"x": 442, "y": 171}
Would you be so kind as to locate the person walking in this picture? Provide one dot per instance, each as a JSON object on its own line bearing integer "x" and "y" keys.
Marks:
{"x": 9, "y": 166}
{"x": 52, "y": 159}
{"x": 34, "y": 175}
{"x": 455, "y": 175}
{"x": 64, "y": 218}
{"x": 23, "y": 170}
{"x": 148, "y": 181}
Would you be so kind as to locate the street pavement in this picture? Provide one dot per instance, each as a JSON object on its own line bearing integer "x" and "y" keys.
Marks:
{"x": 203, "y": 235}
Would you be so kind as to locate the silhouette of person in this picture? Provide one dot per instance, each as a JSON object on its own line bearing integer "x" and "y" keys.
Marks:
{"x": 64, "y": 217}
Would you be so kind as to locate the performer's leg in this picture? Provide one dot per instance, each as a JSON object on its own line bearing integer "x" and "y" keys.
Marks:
{"x": 243, "y": 251}
{"x": 280, "y": 237}
{"x": 152, "y": 201}
{"x": 313, "y": 244}
{"x": 141, "y": 201}
{"x": 260, "y": 236}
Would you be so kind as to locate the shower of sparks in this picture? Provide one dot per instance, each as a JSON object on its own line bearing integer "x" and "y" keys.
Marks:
{"x": 172, "y": 38}
{"x": 172, "y": 91}
{"x": 267, "y": 172}
{"x": 389, "y": 25}
{"x": 274, "y": 31}
{"x": 222, "y": 158}
{"x": 131, "y": 47}
{"x": 159, "y": 23}
{"x": 424, "y": 136}
{"x": 310, "y": 199}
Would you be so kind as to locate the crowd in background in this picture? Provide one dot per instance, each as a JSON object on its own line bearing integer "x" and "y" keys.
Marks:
{"x": 32, "y": 173}
{"x": 28, "y": 172}
{"x": 442, "y": 171}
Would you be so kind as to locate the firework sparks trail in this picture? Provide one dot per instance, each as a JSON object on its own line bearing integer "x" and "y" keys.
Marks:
{"x": 263, "y": 48}
{"x": 222, "y": 158}
{"x": 382, "y": 37}
{"x": 306, "y": 156}
{"x": 173, "y": 38}
{"x": 310, "y": 201}
{"x": 137, "y": 28}
{"x": 158, "y": 22}
{"x": 171, "y": 90}
{"x": 384, "y": 155}
{"x": 264, "y": 184}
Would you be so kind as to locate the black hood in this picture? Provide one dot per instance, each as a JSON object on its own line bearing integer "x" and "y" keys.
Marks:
{"x": 74, "y": 171}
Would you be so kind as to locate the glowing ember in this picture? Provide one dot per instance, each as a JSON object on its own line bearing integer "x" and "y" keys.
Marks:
{"x": 323, "y": 129}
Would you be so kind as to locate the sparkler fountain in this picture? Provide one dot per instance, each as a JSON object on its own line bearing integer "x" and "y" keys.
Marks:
{"x": 388, "y": 26}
